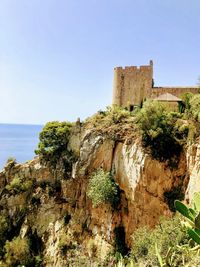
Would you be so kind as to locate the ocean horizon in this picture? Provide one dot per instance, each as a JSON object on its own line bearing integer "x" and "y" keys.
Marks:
{"x": 18, "y": 141}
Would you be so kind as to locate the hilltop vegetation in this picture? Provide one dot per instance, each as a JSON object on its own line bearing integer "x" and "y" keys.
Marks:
{"x": 162, "y": 132}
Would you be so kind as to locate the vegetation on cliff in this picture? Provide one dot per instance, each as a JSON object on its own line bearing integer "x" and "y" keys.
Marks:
{"x": 52, "y": 148}
{"x": 35, "y": 200}
{"x": 102, "y": 189}
{"x": 158, "y": 130}
{"x": 195, "y": 107}
{"x": 163, "y": 132}
{"x": 53, "y": 140}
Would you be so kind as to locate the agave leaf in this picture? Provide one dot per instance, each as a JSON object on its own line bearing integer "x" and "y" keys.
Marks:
{"x": 196, "y": 200}
{"x": 193, "y": 212}
{"x": 183, "y": 210}
{"x": 197, "y": 221}
{"x": 197, "y": 231}
{"x": 194, "y": 235}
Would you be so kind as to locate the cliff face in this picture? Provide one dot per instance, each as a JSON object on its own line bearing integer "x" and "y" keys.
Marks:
{"x": 193, "y": 163}
{"x": 60, "y": 216}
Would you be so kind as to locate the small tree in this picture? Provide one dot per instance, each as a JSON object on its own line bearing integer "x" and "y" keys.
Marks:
{"x": 53, "y": 140}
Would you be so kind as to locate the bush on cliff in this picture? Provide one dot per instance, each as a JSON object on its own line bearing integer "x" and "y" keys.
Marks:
{"x": 17, "y": 252}
{"x": 111, "y": 116}
{"x": 156, "y": 124}
{"x": 195, "y": 107}
{"x": 54, "y": 140}
{"x": 19, "y": 185}
{"x": 186, "y": 101}
{"x": 103, "y": 189}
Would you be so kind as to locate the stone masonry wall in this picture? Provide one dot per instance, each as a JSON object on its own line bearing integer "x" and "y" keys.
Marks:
{"x": 177, "y": 91}
{"x": 132, "y": 85}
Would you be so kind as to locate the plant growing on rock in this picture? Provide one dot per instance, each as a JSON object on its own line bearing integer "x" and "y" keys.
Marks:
{"x": 186, "y": 101}
{"x": 53, "y": 139}
{"x": 17, "y": 252}
{"x": 195, "y": 107}
{"x": 52, "y": 147}
{"x": 19, "y": 185}
{"x": 103, "y": 189}
{"x": 157, "y": 127}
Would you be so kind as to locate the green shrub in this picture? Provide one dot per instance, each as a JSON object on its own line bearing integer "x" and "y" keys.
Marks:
{"x": 168, "y": 234}
{"x": 17, "y": 252}
{"x": 195, "y": 107}
{"x": 113, "y": 115}
{"x": 186, "y": 100}
{"x": 157, "y": 127}
{"x": 19, "y": 185}
{"x": 103, "y": 189}
{"x": 152, "y": 119}
{"x": 117, "y": 114}
{"x": 53, "y": 140}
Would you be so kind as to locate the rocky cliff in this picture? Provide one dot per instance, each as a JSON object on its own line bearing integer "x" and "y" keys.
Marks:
{"x": 53, "y": 209}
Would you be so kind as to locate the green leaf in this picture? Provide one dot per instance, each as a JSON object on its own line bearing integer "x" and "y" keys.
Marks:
{"x": 197, "y": 231}
{"x": 193, "y": 212}
{"x": 196, "y": 200}
{"x": 194, "y": 235}
{"x": 183, "y": 210}
{"x": 197, "y": 221}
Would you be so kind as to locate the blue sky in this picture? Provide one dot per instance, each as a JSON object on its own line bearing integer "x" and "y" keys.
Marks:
{"x": 57, "y": 56}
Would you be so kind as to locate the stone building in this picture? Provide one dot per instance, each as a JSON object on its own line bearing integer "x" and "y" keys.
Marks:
{"x": 132, "y": 85}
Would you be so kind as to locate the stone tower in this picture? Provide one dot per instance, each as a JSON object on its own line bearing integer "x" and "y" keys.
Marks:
{"x": 132, "y": 85}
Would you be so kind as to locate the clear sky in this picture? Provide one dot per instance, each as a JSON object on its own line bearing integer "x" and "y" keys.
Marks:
{"x": 57, "y": 56}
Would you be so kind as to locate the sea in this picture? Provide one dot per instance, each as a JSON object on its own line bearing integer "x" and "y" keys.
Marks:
{"x": 18, "y": 141}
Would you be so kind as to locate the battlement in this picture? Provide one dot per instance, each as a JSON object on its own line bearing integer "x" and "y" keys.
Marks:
{"x": 133, "y": 68}
{"x": 133, "y": 84}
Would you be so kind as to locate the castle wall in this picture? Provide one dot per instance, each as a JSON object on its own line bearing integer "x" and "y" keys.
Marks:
{"x": 118, "y": 85}
{"x": 132, "y": 84}
{"x": 177, "y": 91}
